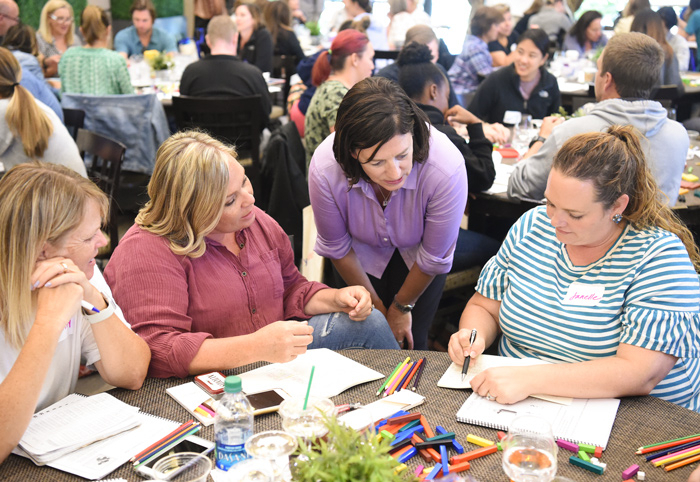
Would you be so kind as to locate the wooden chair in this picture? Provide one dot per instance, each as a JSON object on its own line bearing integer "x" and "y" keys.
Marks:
{"x": 104, "y": 158}
{"x": 73, "y": 119}
{"x": 233, "y": 120}
{"x": 283, "y": 67}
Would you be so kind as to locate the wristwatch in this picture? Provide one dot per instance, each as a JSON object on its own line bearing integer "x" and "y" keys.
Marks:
{"x": 402, "y": 308}
{"x": 537, "y": 138}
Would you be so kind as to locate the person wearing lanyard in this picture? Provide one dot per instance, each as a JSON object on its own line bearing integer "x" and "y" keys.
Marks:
{"x": 388, "y": 193}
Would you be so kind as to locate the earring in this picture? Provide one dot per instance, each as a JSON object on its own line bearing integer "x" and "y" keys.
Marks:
{"x": 617, "y": 218}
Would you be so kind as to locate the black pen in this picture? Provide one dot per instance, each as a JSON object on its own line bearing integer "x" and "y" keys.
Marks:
{"x": 465, "y": 367}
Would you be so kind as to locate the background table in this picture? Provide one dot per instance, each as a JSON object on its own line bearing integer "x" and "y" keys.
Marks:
{"x": 640, "y": 421}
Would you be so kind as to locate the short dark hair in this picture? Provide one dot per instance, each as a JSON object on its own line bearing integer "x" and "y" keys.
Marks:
{"x": 21, "y": 37}
{"x": 143, "y": 5}
{"x": 372, "y": 113}
{"x": 416, "y": 69}
{"x": 578, "y": 30}
{"x": 634, "y": 60}
{"x": 668, "y": 15}
{"x": 694, "y": 4}
{"x": 539, "y": 37}
{"x": 483, "y": 19}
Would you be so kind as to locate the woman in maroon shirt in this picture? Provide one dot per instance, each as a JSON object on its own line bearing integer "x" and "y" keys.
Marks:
{"x": 209, "y": 281}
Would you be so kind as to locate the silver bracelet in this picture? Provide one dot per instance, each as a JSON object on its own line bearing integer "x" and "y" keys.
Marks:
{"x": 102, "y": 315}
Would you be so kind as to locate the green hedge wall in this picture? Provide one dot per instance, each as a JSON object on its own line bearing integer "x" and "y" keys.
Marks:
{"x": 30, "y": 10}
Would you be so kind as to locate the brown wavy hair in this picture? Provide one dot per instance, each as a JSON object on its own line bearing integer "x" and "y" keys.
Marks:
{"x": 615, "y": 163}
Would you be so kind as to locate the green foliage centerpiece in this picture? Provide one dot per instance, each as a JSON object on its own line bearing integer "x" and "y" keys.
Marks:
{"x": 347, "y": 455}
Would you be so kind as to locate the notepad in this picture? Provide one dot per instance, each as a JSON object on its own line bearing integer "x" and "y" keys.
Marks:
{"x": 452, "y": 378}
{"x": 334, "y": 374}
{"x": 586, "y": 421}
{"x": 190, "y": 396}
{"x": 383, "y": 408}
{"x": 96, "y": 460}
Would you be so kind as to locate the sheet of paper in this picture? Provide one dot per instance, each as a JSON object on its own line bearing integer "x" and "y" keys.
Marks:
{"x": 385, "y": 407}
{"x": 500, "y": 183}
{"x": 334, "y": 374}
{"x": 452, "y": 378}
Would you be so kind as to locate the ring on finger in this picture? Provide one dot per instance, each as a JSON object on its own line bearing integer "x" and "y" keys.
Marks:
{"x": 65, "y": 267}
{"x": 490, "y": 397}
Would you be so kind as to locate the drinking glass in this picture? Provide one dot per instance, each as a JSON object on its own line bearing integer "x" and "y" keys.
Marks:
{"x": 248, "y": 470}
{"x": 529, "y": 450}
{"x": 308, "y": 424}
{"x": 274, "y": 448}
{"x": 183, "y": 467}
{"x": 523, "y": 132}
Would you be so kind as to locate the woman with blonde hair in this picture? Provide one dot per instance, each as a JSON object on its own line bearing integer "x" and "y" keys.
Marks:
{"x": 602, "y": 280}
{"x": 55, "y": 34}
{"x": 624, "y": 21}
{"x": 205, "y": 277}
{"x": 29, "y": 130}
{"x": 47, "y": 267}
{"x": 94, "y": 69}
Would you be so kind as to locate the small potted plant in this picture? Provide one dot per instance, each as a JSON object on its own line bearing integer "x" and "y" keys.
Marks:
{"x": 346, "y": 455}
{"x": 159, "y": 62}
{"x": 314, "y": 32}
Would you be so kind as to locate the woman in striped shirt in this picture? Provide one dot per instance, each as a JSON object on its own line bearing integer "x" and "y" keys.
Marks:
{"x": 604, "y": 279}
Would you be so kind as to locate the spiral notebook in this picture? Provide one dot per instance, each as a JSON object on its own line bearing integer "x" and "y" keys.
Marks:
{"x": 588, "y": 421}
{"x": 96, "y": 460}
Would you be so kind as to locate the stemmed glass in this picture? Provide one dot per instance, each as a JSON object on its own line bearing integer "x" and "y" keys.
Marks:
{"x": 529, "y": 450}
{"x": 274, "y": 448}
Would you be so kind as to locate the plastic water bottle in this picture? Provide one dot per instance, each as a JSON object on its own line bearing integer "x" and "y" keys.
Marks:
{"x": 233, "y": 424}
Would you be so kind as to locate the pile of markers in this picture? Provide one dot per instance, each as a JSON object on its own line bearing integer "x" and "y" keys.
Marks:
{"x": 673, "y": 454}
{"x": 410, "y": 434}
{"x": 166, "y": 443}
{"x": 402, "y": 376}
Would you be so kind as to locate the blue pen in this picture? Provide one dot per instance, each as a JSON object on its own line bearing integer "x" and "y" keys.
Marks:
{"x": 88, "y": 306}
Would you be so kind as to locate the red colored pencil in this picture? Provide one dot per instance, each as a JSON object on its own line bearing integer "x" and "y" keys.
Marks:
{"x": 411, "y": 375}
{"x": 182, "y": 428}
{"x": 664, "y": 445}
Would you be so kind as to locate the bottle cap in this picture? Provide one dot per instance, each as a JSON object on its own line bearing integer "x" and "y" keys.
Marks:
{"x": 232, "y": 384}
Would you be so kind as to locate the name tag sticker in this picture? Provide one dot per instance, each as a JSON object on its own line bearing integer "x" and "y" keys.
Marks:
{"x": 580, "y": 294}
{"x": 512, "y": 117}
{"x": 67, "y": 330}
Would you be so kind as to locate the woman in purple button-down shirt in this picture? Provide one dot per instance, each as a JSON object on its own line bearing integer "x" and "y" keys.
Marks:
{"x": 388, "y": 193}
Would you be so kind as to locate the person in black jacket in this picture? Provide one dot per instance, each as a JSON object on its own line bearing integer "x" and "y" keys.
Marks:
{"x": 524, "y": 86}
{"x": 427, "y": 85}
{"x": 254, "y": 41}
{"x": 278, "y": 19}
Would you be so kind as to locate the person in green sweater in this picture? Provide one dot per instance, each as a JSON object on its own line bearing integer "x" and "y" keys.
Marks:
{"x": 94, "y": 69}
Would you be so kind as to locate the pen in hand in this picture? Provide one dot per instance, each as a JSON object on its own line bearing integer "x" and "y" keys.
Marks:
{"x": 467, "y": 358}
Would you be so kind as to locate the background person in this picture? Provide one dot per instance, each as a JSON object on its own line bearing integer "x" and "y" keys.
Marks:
{"x": 377, "y": 28}
{"x": 254, "y": 40}
{"x": 594, "y": 253}
{"x": 94, "y": 69}
{"x": 692, "y": 28}
{"x": 524, "y": 86}
{"x": 55, "y": 34}
{"x": 206, "y": 279}
{"x": 650, "y": 23}
{"x": 427, "y": 86}
{"x": 278, "y": 20}
{"x": 223, "y": 74}
{"x": 624, "y": 22}
{"x": 21, "y": 41}
{"x": 9, "y": 16}
{"x": 142, "y": 35}
{"x": 388, "y": 193}
{"x": 586, "y": 34}
{"x": 47, "y": 269}
{"x": 475, "y": 60}
{"x": 500, "y": 49}
{"x": 552, "y": 18}
{"x": 628, "y": 70}
{"x": 29, "y": 130}
{"x": 348, "y": 61}
{"x": 678, "y": 43}
{"x": 204, "y": 11}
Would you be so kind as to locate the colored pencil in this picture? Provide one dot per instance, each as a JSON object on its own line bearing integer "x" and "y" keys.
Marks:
{"x": 412, "y": 374}
{"x": 389, "y": 390}
{"x": 388, "y": 378}
{"x": 184, "y": 426}
{"x": 409, "y": 369}
{"x": 668, "y": 443}
{"x": 681, "y": 463}
{"x": 418, "y": 375}
{"x": 678, "y": 456}
{"x": 393, "y": 375}
{"x": 674, "y": 449}
{"x": 147, "y": 458}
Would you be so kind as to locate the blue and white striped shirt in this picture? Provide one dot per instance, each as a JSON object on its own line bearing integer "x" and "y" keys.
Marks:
{"x": 643, "y": 292}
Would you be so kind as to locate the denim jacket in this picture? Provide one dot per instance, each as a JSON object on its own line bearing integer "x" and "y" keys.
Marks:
{"x": 138, "y": 121}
